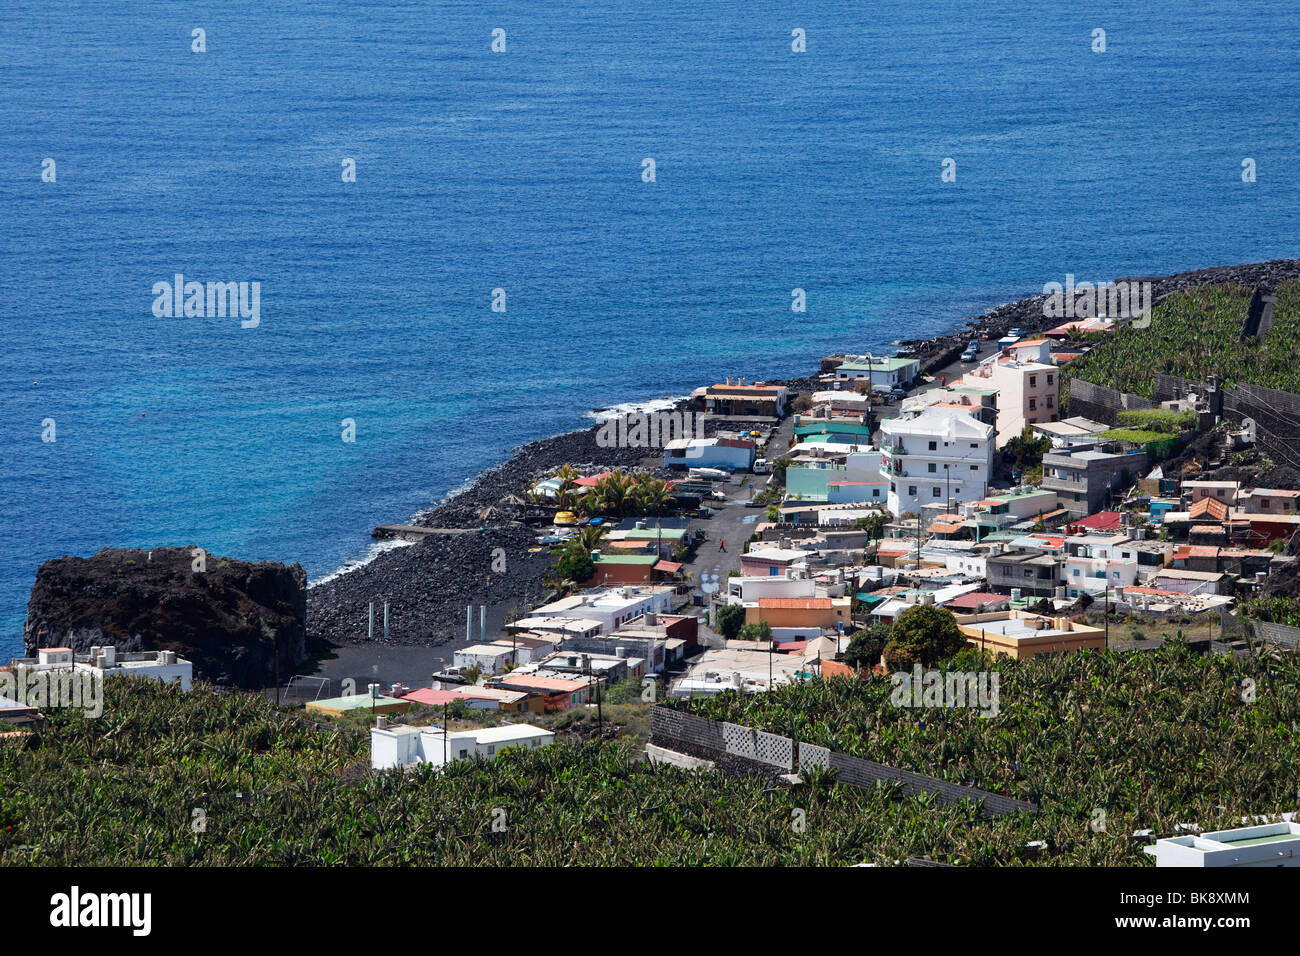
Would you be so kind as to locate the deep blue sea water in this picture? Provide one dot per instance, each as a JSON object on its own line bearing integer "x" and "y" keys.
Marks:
{"x": 522, "y": 170}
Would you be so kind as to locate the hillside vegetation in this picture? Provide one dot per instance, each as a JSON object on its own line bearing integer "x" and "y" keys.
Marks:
{"x": 1154, "y": 739}
{"x": 1195, "y": 334}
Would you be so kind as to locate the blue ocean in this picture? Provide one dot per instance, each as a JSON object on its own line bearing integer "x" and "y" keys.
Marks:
{"x": 523, "y": 170}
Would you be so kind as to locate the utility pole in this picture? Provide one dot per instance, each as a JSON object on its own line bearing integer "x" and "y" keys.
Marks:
{"x": 1107, "y": 615}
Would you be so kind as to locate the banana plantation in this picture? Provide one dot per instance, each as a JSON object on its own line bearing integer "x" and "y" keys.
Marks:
{"x": 1196, "y": 334}
{"x": 1135, "y": 740}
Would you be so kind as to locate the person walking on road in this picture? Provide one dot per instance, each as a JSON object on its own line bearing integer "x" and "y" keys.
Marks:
{"x": 722, "y": 545}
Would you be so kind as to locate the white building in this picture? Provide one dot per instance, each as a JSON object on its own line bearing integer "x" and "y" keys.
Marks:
{"x": 884, "y": 374}
{"x": 403, "y": 746}
{"x": 1270, "y": 844}
{"x": 941, "y": 456}
{"x": 163, "y": 666}
{"x": 1094, "y": 561}
{"x": 1070, "y": 432}
{"x": 748, "y": 590}
{"x": 488, "y": 658}
{"x": 611, "y": 608}
{"x": 735, "y": 454}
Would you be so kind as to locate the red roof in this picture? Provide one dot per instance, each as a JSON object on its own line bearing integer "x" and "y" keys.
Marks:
{"x": 670, "y": 567}
{"x": 792, "y": 647}
{"x": 589, "y": 481}
{"x": 1101, "y": 521}
{"x": 801, "y": 604}
{"x": 435, "y": 698}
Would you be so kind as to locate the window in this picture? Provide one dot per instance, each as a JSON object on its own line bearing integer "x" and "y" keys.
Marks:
{"x": 1029, "y": 573}
{"x": 1050, "y": 376}
{"x": 933, "y": 446}
{"x": 1049, "y": 401}
{"x": 1033, "y": 381}
{"x": 937, "y": 492}
{"x": 931, "y": 467}
{"x": 1033, "y": 404}
{"x": 1264, "y": 503}
{"x": 974, "y": 467}
{"x": 771, "y": 572}
{"x": 911, "y": 490}
{"x": 1075, "y": 572}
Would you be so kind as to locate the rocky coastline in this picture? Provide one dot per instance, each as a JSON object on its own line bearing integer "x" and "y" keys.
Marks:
{"x": 429, "y": 584}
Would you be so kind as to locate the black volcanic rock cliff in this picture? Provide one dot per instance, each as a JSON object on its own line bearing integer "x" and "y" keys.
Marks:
{"x": 228, "y": 619}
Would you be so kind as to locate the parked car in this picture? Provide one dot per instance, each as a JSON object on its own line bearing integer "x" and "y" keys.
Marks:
{"x": 969, "y": 355}
{"x": 760, "y": 466}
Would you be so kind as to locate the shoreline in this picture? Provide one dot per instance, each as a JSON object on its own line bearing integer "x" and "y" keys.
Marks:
{"x": 429, "y": 584}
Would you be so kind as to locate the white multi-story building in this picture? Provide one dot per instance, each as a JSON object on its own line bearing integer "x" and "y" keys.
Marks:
{"x": 1094, "y": 561}
{"x": 1027, "y": 393}
{"x": 938, "y": 456}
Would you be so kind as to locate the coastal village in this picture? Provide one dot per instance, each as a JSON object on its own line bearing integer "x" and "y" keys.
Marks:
{"x": 887, "y": 513}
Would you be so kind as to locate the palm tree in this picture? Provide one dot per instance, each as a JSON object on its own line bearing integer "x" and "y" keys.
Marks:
{"x": 773, "y": 513}
{"x": 610, "y": 495}
{"x": 651, "y": 496}
{"x": 589, "y": 537}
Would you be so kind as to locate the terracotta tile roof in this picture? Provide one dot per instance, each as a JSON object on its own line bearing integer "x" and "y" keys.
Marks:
{"x": 1208, "y": 506}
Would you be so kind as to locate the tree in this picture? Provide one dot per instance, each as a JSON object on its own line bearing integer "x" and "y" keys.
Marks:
{"x": 729, "y": 619}
{"x": 773, "y": 514}
{"x": 575, "y": 564}
{"x": 650, "y": 495}
{"x": 866, "y": 646}
{"x": 923, "y": 634}
{"x": 760, "y": 631}
{"x": 873, "y": 525}
{"x": 1025, "y": 452}
{"x": 588, "y": 537}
